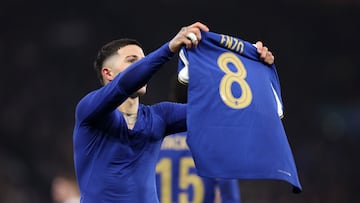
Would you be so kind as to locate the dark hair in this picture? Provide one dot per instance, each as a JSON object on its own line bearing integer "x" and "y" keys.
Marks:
{"x": 109, "y": 50}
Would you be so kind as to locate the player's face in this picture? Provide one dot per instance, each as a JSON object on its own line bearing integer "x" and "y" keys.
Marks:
{"x": 126, "y": 56}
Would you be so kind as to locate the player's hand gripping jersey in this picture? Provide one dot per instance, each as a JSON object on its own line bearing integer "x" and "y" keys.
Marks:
{"x": 234, "y": 112}
{"x": 177, "y": 180}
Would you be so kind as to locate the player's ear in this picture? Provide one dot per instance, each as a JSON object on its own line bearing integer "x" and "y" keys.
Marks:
{"x": 107, "y": 74}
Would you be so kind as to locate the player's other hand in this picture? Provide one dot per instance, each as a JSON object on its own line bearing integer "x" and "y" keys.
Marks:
{"x": 264, "y": 53}
{"x": 182, "y": 38}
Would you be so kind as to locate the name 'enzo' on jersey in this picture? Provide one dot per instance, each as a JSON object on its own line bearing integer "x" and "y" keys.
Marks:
{"x": 232, "y": 43}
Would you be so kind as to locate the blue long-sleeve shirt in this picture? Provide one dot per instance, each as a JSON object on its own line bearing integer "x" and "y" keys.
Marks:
{"x": 112, "y": 162}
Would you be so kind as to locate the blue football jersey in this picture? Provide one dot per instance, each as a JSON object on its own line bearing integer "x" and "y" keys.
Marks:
{"x": 177, "y": 180}
{"x": 234, "y": 112}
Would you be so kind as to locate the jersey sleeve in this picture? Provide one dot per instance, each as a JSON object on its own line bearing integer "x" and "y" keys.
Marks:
{"x": 100, "y": 102}
{"x": 174, "y": 116}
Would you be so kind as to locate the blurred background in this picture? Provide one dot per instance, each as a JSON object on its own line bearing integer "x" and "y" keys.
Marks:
{"x": 47, "y": 50}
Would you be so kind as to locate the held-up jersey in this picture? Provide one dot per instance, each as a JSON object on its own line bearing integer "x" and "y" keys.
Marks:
{"x": 234, "y": 112}
{"x": 177, "y": 181}
{"x": 114, "y": 163}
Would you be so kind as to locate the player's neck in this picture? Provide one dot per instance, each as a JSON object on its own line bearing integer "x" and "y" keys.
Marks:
{"x": 129, "y": 109}
{"x": 130, "y": 106}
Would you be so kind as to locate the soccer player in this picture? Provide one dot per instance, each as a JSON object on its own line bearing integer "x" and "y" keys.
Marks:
{"x": 117, "y": 139}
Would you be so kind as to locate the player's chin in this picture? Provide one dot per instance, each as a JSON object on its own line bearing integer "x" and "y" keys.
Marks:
{"x": 139, "y": 93}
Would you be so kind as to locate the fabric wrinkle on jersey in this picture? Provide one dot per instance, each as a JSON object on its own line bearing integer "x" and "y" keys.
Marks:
{"x": 228, "y": 141}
